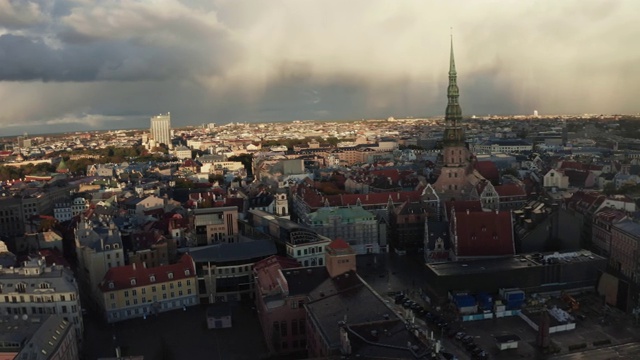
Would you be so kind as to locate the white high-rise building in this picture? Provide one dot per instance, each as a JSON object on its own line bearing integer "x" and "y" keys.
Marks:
{"x": 161, "y": 129}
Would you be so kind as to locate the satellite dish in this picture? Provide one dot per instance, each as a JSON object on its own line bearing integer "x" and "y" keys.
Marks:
{"x": 25, "y": 317}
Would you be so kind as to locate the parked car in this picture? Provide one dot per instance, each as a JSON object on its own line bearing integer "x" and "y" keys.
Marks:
{"x": 448, "y": 356}
{"x": 460, "y": 335}
{"x": 467, "y": 339}
{"x": 482, "y": 355}
{"x": 471, "y": 347}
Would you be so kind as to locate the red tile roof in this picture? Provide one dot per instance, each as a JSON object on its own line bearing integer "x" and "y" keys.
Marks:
{"x": 122, "y": 276}
{"x": 510, "y": 190}
{"x": 338, "y": 243}
{"x": 458, "y": 205}
{"x": 484, "y": 234}
{"x": 488, "y": 170}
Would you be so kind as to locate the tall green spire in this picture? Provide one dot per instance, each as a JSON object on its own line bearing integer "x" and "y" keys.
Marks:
{"x": 453, "y": 113}
{"x": 452, "y": 61}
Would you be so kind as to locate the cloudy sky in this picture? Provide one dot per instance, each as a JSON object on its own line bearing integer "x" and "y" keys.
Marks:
{"x": 84, "y": 64}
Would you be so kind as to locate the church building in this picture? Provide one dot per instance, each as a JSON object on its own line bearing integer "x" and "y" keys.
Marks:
{"x": 457, "y": 176}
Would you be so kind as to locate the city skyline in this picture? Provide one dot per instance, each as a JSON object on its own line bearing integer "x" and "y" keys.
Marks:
{"x": 102, "y": 65}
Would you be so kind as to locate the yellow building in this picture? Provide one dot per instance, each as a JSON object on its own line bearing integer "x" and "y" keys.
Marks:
{"x": 134, "y": 291}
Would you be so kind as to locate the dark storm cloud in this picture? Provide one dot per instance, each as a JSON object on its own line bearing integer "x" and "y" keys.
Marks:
{"x": 95, "y": 63}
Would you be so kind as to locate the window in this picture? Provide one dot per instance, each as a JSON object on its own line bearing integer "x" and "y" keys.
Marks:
{"x": 179, "y": 283}
{"x": 294, "y": 327}
{"x": 133, "y": 281}
{"x": 170, "y": 275}
{"x": 164, "y": 287}
{"x": 152, "y": 278}
{"x": 170, "y": 285}
{"x": 283, "y": 328}
{"x": 144, "y": 291}
{"x": 134, "y": 292}
{"x": 127, "y": 303}
{"x": 126, "y": 293}
{"x": 153, "y": 289}
{"x": 135, "y": 301}
{"x": 187, "y": 272}
{"x": 188, "y": 282}
{"x": 112, "y": 296}
{"x": 110, "y": 285}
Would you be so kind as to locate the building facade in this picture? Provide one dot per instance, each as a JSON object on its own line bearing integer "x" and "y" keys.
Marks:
{"x": 625, "y": 249}
{"x": 37, "y": 289}
{"x": 133, "y": 291}
{"x": 161, "y": 129}
{"x": 98, "y": 249}
{"x": 215, "y": 225}
{"x": 354, "y": 224}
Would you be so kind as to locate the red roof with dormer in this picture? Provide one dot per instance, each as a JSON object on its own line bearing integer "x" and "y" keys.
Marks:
{"x": 483, "y": 234}
{"x": 121, "y": 277}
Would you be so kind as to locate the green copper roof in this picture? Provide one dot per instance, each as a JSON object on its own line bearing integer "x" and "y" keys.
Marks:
{"x": 452, "y": 61}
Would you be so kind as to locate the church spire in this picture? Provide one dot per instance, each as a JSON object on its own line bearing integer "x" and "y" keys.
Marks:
{"x": 453, "y": 114}
{"x": 452, "y": 61}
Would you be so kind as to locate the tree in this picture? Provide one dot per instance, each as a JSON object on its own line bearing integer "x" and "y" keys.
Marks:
{"x": 246, "y": 160}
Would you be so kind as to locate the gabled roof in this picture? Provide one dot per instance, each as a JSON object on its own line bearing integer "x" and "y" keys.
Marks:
{"x": 121, "y": 277}
{"x": 484, "y": 234}
{"x": 510, "y": 190}
{"x": 488, "y": 170}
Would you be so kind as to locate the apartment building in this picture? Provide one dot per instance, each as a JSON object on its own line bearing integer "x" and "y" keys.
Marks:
{"x": 37, "y": 289}
{"x": 215, "y": 225}
{"x": 133, "y": 291}
{"x": 625, "y": 249}
{"x": 354, "y": 224}
{"x": 98, "y": 248}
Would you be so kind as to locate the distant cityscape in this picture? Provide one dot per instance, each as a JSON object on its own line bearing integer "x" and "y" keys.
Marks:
{"x": 451, "y": 237}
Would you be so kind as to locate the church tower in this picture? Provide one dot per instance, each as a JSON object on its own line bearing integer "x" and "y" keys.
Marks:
{"x": 457, "y": 177}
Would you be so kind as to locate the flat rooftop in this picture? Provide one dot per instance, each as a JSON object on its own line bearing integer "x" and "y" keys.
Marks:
{"x": 493, "y": 265}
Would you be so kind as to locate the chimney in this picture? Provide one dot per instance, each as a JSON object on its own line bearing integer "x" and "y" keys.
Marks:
{"x": 144, "y": 264}
{"x": 467, "y": 211}
{"x": 134, "y": 266}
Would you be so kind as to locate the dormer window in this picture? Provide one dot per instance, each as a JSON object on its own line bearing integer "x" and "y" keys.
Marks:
{"x": 116, "y": 246}
{"x": 187, "y": 272}
{"x": 133, "y": 281}
{"x": 110, "y": 285}
{"x": 152, "y": 278}
{"x": 45, "y": 285}
{"x": 21, "y": 287}
{"x": 170, "y": 275}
